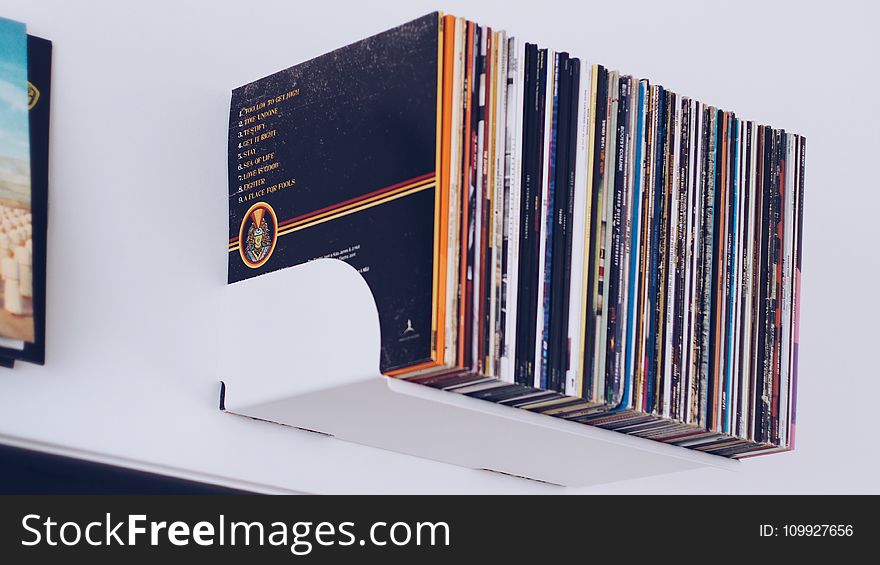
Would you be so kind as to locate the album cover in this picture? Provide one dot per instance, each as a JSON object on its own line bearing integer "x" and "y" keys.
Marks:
{"x": 25, "y": 74}
{"x": 337, "y": 157}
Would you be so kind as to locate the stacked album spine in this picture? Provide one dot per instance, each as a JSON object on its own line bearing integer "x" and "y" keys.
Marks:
{"x": 617, "y": 254}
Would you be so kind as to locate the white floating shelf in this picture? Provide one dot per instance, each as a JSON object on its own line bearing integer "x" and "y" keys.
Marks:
{"x": 300, "y": 346}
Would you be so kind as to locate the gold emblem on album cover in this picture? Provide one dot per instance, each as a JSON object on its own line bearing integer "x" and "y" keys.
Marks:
{"x": 33, "y": 95}
{"x": 258, "y": 234}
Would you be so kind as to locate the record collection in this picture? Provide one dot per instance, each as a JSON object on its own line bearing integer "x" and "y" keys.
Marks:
{"x": 25, "y": 69}
{"x": 538, "y": 230}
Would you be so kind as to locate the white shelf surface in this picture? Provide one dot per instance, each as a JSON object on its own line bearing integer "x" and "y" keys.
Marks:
{"x": 137, "y": 260}
{"x": 306, "y": 354}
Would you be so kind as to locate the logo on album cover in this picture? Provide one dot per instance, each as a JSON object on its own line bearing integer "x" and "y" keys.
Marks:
{"x": 409, "y": 332}
{"x": 33, "y": 95}
{"x": 257, "y": 236}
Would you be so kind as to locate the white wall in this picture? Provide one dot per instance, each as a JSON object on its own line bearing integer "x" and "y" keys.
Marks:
{"x": 137, "y": 255}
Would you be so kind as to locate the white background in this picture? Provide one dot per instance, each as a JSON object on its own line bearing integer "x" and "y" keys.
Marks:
{"x": 138, "y": 228}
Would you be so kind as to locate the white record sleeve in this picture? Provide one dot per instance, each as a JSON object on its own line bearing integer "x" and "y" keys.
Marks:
{"x": 576, "y": 304}
{"x": 515, "y": 115}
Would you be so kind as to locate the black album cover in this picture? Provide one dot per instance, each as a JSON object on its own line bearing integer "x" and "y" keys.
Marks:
{"x": 533, "y": 110}
{"x": 560, "y": 245}
{"x": 336, "y": 158}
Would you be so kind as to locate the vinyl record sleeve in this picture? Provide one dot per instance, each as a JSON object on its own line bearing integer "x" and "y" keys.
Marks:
{"x": 39, "y": 77}
{"x": 338, "y": 157}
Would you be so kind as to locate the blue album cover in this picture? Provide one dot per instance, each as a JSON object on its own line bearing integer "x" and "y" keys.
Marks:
{"x": 16, "y": 231}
